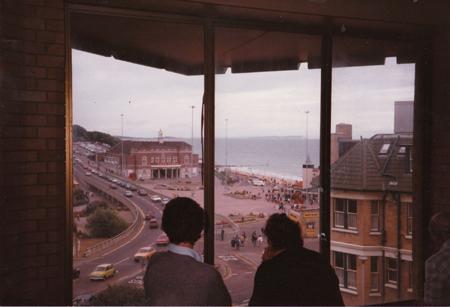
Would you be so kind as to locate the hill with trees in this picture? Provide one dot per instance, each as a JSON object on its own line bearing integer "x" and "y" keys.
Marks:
{"x": 81, "y": 134}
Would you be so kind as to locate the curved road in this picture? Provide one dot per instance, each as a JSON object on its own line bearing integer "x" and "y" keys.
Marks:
{"x": 120, "y": 256}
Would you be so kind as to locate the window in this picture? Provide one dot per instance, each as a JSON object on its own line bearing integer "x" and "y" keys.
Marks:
{"x": 163, "y": 159}
{"x": 409, "y": 219}
{"x": 374, "y": 275}
{"x": 152, "y": 160}
{"x": 402, "y": 150}
{"x": 384, "y": 149}
{"x": 144, "y": 160}
{"x": 345, "y": 267}
{"x": 169, "y": 159}
{"x": 175, "y": 160}
{"x": 186, "y": 159}
{"x": 345, "y": 213}
{"x": 157, "y": 160}
{"x": 375, "y": 216}
{"x": 408, "y": 160}
{"x": 391, "y": 271}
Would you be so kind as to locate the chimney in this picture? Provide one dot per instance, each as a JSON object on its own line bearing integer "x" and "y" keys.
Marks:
{"x": 403, "y": 117}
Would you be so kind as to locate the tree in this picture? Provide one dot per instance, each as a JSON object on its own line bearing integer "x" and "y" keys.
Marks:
{"x": 120, "y": 295}
{"x": 105, "y": 223}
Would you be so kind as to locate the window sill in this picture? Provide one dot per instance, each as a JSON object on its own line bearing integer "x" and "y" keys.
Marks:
{"x": 349, "y": 291}
{"x": 409, "y": 237}
{"x": 375, "y": 294}
{"x": 392, "y": 286}
{"x": 375, "y": 233}
{"x": 354, "y": 231}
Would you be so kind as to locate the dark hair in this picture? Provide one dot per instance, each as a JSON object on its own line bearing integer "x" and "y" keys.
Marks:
{"x": 282, "y": 232}
{"x": 182, "y": 220}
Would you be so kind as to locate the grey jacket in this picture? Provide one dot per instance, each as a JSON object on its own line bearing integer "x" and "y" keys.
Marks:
{"x": 173, "y": 279}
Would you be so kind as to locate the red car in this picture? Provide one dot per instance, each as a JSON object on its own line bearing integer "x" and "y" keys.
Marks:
{"x": 163, "y": 239}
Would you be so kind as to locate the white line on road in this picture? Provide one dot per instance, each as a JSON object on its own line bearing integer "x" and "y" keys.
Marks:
{"x": 123, "y": 260}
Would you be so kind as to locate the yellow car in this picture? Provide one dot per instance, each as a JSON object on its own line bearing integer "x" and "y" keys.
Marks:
{"x": 144, "y": 253}
{"x": 103, "y": 271}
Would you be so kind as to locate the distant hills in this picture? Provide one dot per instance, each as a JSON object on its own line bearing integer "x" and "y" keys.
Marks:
{"x": 81, "y": 134}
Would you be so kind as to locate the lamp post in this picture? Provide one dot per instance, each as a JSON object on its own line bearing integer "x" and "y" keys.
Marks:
{"x": 192, "y": 142}
{"x": 121, "y": 141}
{"x": 226, "y": 142}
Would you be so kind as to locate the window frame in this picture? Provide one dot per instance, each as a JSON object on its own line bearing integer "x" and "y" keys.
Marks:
{"x": 327, "y": 31}
{"x": 346, "y": 270}
{"x": 374, "y": 274}
{"x": 392, "y": 270}
{"x": 346, "y": 214}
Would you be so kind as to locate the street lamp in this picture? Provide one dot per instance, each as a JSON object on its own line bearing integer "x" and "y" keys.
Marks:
{"x": 192, "y": 142}
{"x": 121, "y": 141}
{"x": 226, "y": 143}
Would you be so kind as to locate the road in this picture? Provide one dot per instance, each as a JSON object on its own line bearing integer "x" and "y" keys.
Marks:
{"x": 121, "y": 256}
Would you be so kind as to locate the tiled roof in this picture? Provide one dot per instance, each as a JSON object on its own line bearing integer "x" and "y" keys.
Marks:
{"x": 365, "y": 167}
{"x": 130, "y": 146}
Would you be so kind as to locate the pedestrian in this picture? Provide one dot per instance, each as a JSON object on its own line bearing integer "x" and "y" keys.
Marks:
{"x": 260, "y": 240}
{"x": 291, "y": 275}
{"x": 222, "y": 234}
{"x": 192, "y": 282}
{"x": 254, "y": 238}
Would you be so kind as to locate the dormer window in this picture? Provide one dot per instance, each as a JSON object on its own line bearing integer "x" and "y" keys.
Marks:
{"x": 384, "y": 149}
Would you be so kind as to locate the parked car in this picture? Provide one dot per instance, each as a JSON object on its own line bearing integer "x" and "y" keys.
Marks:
{"x": 128, "y": 193}
{"x": 144, "y": 253}
{"x": 163, "y": 239}
{"x": 142, "y": 192}
{"x": 155, "y": 198}
{"x": 153, "y": 223}
{"x": 113, "y": 186}
{"x": 103, "y": 271}
{"x": 165, "y": 200}
{"x": 75, "y": 273}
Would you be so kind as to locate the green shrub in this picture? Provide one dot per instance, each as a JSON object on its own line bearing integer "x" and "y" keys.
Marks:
{"x": 91, "y": 207}
{"x": 105, "y": 223}
{"x": 120, "y": 295}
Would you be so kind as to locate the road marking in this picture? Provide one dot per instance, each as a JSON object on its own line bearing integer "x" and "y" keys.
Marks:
{"x": 228, "y": 258}
{"x": 123, "y": 260}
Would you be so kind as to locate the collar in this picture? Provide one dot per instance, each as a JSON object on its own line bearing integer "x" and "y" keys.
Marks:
{"x": 185, "y": 251}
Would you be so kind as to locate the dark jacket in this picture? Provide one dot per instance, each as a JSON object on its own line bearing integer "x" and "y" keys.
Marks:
{"x": 296, "y": 277}
{"x": 173, "y": 279}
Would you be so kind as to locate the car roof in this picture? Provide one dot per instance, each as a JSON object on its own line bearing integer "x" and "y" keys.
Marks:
{"x": 103, "y": 265}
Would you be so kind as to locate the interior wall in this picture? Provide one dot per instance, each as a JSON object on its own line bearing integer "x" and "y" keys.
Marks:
{"x": 32, "y": 216}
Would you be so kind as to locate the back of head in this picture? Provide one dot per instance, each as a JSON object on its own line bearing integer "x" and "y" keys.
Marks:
{"x": 282, "y": 232}
{"x": 440, "y": 227}
{"x": 183, "y": 220}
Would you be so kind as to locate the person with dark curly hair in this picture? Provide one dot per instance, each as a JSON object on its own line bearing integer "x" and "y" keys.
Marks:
{"x": 178, "y": 276}
{"x": 291, "y": 275}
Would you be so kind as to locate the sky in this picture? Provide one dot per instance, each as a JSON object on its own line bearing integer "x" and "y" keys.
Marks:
{"x": 247, "y": 105}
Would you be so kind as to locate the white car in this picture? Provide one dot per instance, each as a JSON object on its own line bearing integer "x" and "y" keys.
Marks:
{"x": 155, "y": 198}
{"x": 128, "y": 193}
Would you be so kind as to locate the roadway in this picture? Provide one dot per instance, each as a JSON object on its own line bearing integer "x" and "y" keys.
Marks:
{"x": 121, "y": 256}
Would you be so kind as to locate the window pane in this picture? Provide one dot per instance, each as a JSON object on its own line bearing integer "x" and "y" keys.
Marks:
{"x": 267, "y": 144}
{"x": 372, "y": 130}
{"x": 132, "y": 116}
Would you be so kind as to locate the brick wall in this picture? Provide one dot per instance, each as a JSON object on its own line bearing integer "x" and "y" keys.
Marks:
{"x": 32, "y": 152}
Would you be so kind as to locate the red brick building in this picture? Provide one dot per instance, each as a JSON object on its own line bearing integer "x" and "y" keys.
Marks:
{"x": 371, "y": 220}
{"x": 155, "y": 159}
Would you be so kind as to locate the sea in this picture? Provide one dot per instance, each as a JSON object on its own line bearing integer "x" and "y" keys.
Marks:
{"x": 278, "y": 156}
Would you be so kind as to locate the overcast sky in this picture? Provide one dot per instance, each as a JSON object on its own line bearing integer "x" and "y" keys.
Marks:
{"x": 255, "y": 104}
